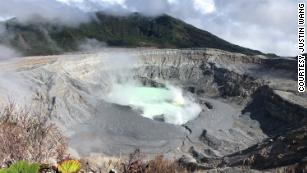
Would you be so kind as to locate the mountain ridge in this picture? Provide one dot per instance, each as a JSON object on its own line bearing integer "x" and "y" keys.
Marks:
{"x": 134, "y": 30}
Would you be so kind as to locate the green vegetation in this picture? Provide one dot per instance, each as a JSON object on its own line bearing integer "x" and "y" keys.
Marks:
{"x": 28, "y": 142}
{"x": 21, "y": 167}
{"x": 69, "y": 166}
{"x": 123, "y": 31}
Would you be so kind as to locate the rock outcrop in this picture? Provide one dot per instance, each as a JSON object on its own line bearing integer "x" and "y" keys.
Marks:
{"x": 246, "y": 101}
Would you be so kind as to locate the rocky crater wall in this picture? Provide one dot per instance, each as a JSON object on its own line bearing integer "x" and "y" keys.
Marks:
{"x": 244, "y": 98}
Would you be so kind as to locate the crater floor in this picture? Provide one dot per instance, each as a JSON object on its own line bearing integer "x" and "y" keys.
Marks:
{"x": 239, "y": 96}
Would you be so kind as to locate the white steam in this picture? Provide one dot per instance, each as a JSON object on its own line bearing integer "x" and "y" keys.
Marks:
{"x": 7, "y": 52}
{"x": 92, "y": 45}
{"x": 118, "y": 74}
{"x": 168, "y": 104}
{"x": 13, "y": 86}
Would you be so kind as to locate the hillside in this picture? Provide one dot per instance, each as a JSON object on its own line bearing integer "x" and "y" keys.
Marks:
{"x": 134, "y": 30}
{"x": 251, "y": 116}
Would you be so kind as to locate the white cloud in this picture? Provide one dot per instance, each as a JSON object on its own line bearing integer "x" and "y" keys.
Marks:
{"x": 50, "y": 10}
{"x": 204, "y": 6}
{"x": 267, "y": 25}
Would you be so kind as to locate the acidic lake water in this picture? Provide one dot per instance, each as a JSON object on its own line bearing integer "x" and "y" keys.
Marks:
{"x": 167, "y": 104}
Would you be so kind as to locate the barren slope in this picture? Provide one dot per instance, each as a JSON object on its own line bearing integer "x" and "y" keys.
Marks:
{"x": 244, "y": 99}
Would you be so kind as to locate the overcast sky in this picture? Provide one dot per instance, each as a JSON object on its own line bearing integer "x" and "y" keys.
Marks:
{"x": 266, "y": 25}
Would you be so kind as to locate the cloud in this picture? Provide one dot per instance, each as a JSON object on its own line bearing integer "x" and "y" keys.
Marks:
{"x": 266, "y": 25}
{"x": 147, "y": 7}
{"x": 204, "y": 6}
{"x": 155, "y": 7}
{"x": 51, "y": 10}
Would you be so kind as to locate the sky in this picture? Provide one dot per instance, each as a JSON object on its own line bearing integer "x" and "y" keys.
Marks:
{"x": 266, "y": 25}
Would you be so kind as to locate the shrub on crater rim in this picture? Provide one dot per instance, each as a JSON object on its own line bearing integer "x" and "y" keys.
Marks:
{"x": 25, "y": 135}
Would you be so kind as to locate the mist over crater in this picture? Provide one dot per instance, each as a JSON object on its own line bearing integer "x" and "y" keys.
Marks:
{"x": 159, "y": 100}
{"x": 164, "y": 104}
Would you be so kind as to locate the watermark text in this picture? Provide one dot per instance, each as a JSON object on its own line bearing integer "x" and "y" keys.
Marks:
{"x": 301, "y": 76}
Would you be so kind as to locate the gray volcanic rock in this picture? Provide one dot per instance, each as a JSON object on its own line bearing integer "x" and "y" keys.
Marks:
{"x": 210, "y": 140}
{"x": 286, "y": 149}
{"x": 116, "y": 130}
{"x": 244, "y": 100}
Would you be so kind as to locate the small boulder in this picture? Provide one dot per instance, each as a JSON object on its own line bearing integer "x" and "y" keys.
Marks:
{"x": 188, "y": 162}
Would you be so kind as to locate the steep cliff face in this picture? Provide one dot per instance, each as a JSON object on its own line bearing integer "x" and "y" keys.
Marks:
{"x": 283, "y": 153}
{"x": 209, "y": 72}
{"x": 282, "y": 105}
{"x": 244, "y": 99}
{"x": 233, "y": 76}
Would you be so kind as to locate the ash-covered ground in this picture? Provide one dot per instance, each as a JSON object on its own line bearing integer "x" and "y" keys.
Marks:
{"x": 225, "y": 102}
